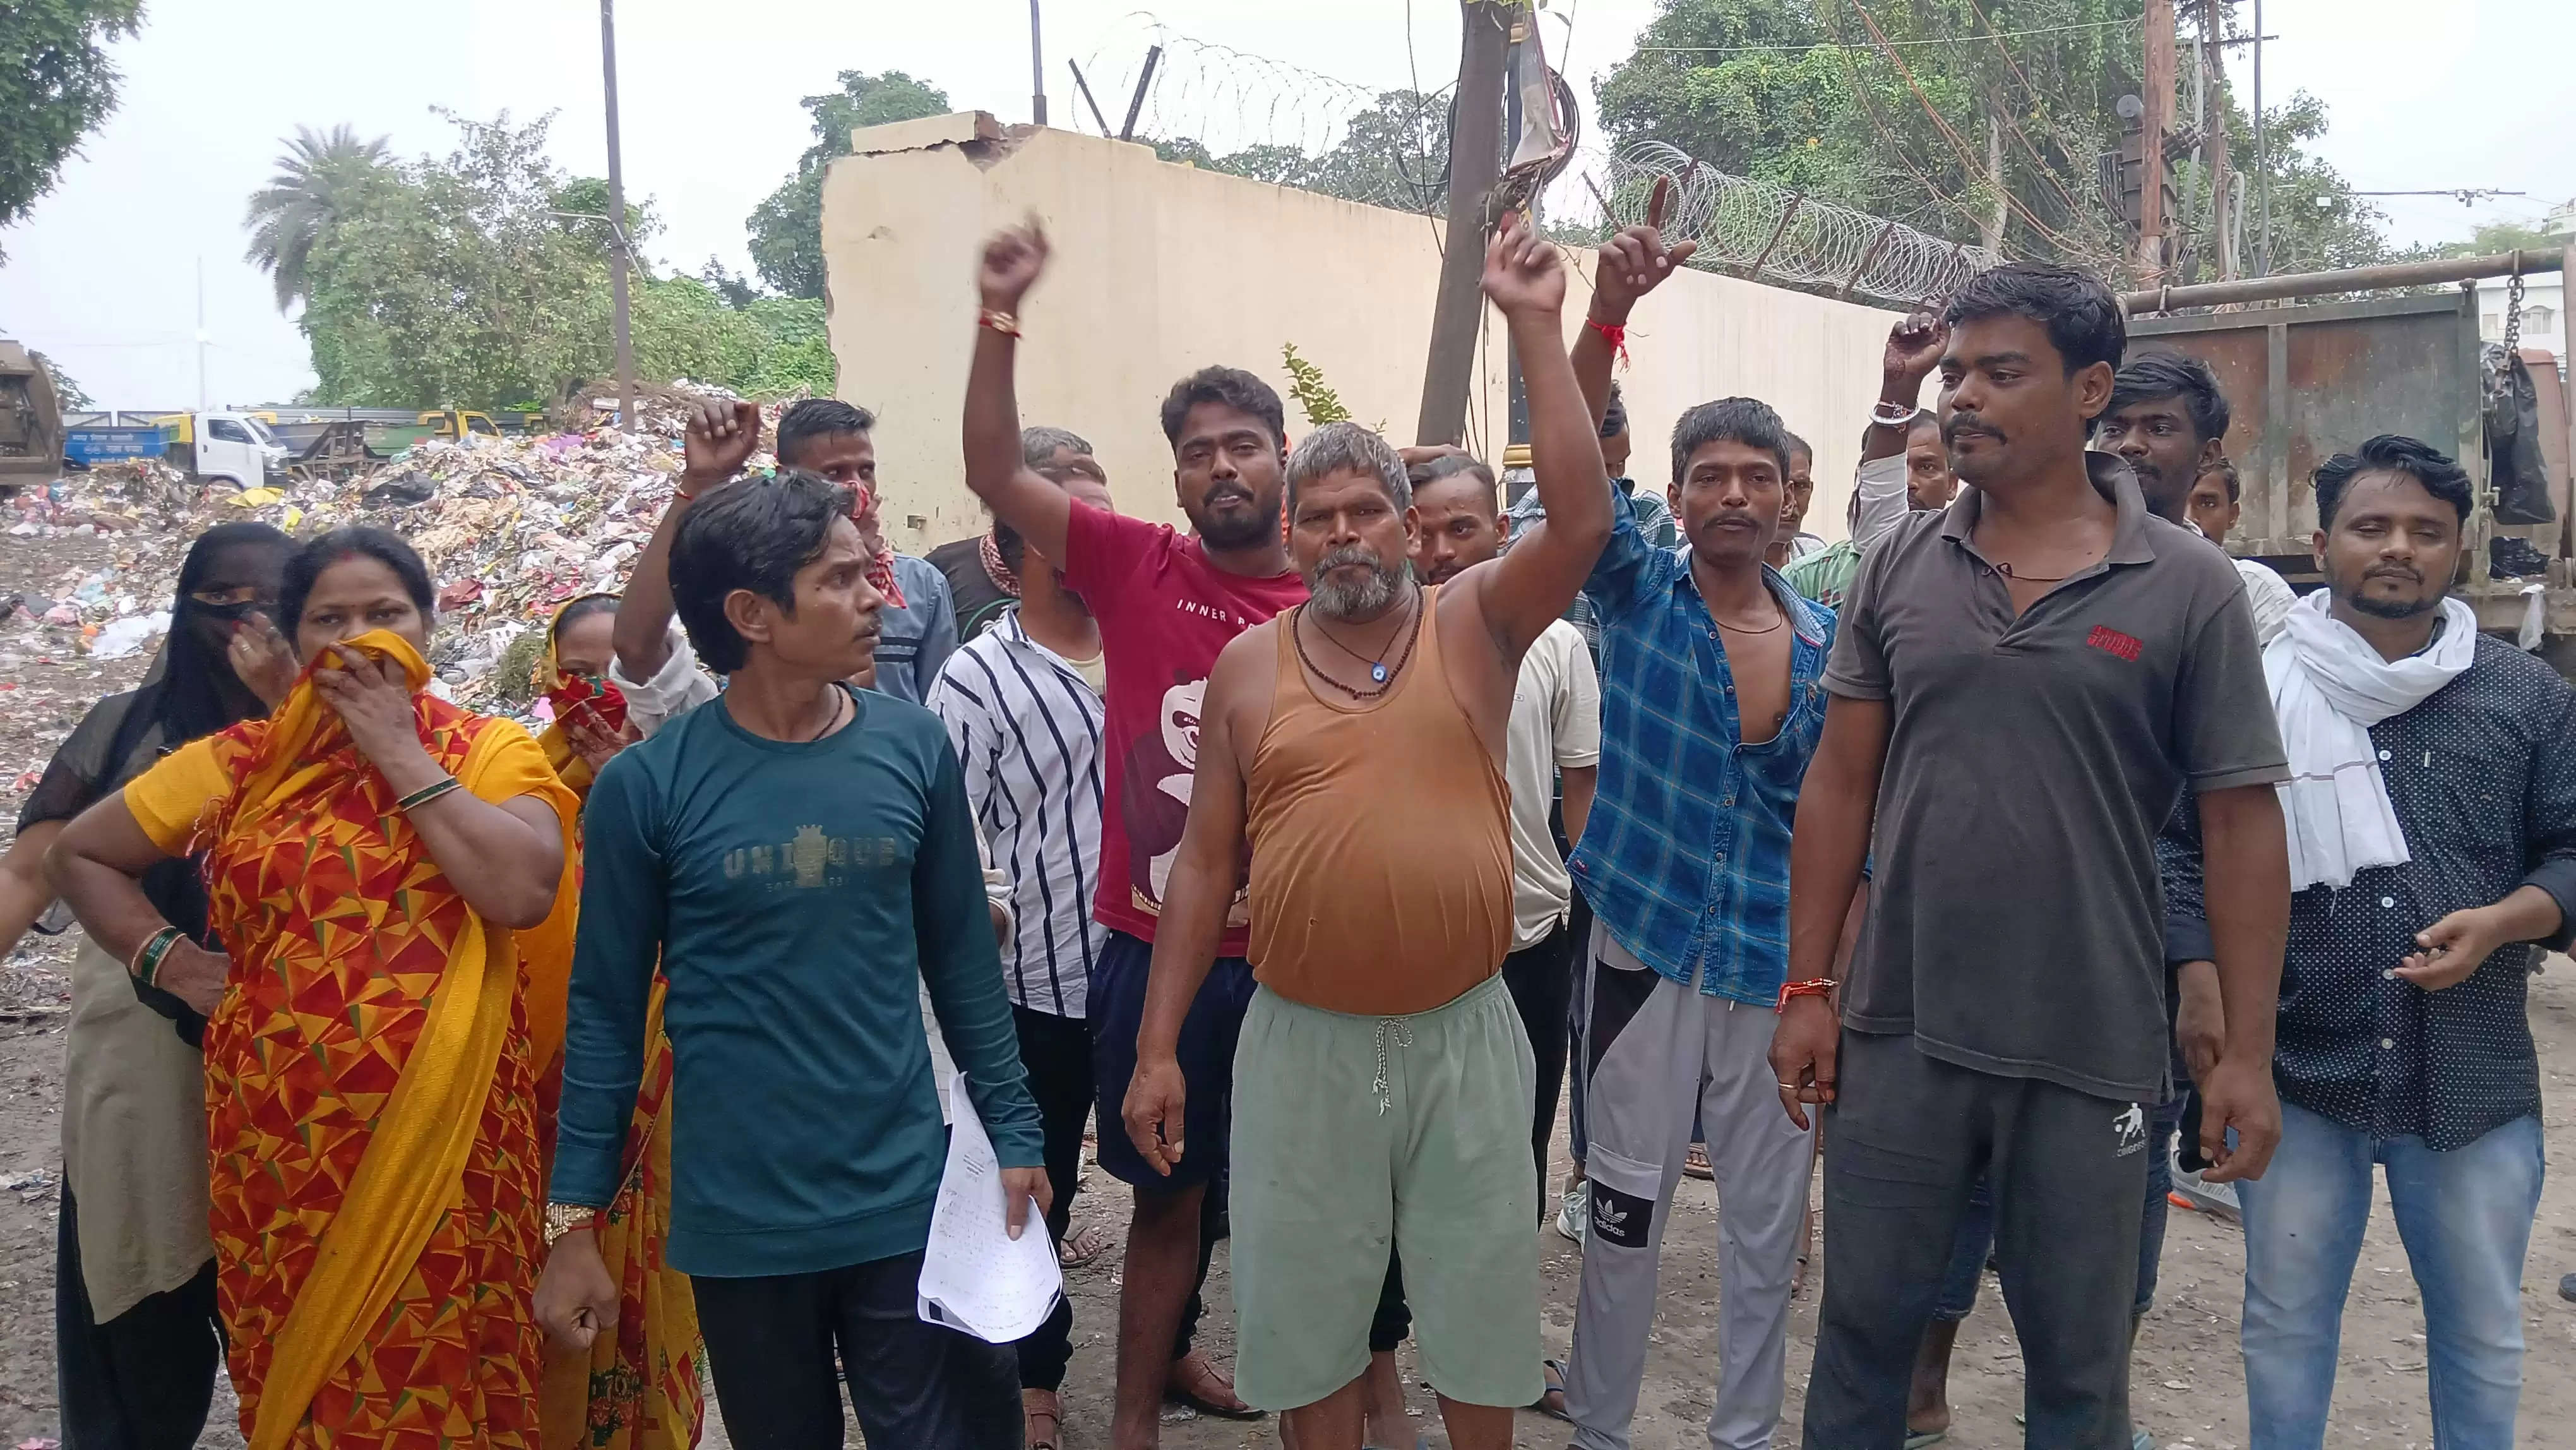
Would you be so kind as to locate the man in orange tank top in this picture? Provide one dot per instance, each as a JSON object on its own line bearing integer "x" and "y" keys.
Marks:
{"x": 1355, "y": 746}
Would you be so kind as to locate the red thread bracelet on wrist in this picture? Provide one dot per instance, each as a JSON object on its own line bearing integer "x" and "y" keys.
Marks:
{"x": 1815, "y": 987}
{"x": 1614, "y": 334}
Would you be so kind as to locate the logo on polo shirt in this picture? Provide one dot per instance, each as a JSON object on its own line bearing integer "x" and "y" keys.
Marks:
{"x": 2112, "y": 641}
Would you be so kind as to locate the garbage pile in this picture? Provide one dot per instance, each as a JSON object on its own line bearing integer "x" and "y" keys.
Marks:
{"x": 510, "y": 526}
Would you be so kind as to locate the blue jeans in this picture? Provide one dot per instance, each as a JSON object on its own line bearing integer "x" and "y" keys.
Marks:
{"x": 2465, "y": 1216}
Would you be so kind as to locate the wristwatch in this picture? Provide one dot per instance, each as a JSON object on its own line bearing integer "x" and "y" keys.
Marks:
{"x": 564, "y": 1218}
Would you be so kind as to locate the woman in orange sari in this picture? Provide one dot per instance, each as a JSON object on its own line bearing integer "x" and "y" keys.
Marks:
{"x": 370, "y": 853}
{"x": 634, "y": 1385}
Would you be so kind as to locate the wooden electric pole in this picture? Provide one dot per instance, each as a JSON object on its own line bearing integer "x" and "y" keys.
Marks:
{"x": 619, "y": 259}
{"x": 2154, "y": 126}
{"x": 1475, "y": 163}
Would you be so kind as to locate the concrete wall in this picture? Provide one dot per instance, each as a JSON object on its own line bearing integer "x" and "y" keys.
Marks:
{"x": 1161, "y": 269}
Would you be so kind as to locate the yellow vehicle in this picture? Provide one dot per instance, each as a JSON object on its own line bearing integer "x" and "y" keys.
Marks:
{"x": 456, "y": 423}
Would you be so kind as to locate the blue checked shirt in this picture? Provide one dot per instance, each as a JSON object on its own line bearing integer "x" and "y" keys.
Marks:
{"x": 1686, "y": 856}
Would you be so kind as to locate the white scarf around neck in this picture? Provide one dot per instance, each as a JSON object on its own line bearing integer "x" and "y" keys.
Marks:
{"x": 2329, "y": 686}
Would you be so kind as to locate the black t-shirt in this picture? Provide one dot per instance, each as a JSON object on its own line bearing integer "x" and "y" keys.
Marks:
{"x": 2016, "y": 918}
{"x": 971, "y": 590}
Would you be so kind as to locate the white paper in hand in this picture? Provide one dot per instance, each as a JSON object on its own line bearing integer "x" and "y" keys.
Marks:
{"x": 974, "y": 1276}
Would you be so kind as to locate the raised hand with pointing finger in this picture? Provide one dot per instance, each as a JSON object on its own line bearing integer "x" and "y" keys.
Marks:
{"x": 1635, "y": 261}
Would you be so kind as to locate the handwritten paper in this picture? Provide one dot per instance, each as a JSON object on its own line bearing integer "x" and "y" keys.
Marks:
{"x": 974, "y": 1276}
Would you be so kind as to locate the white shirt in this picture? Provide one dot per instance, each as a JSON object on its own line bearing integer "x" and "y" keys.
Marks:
{"x": 1879, "y": 499}
{"x": 1026, "y": 727}
{"x": 2268, "y": 595}
{"x": 1556, "y": 724}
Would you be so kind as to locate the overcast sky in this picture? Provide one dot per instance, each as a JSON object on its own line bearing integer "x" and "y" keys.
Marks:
{"x": 103, "y": 274}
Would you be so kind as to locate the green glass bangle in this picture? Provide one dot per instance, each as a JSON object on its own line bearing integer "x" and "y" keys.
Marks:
{"x": 427, "y": 793}
{"x": 147, "y": 959}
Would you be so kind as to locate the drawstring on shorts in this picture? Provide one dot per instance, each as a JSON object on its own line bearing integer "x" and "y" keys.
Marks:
{"x": 1403, "y": 1034}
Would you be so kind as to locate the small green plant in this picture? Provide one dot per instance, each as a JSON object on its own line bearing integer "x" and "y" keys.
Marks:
{"x": 1315, "y": 397}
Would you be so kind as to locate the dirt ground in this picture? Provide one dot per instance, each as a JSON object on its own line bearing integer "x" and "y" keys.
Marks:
{"x": 2189, "y": 1385}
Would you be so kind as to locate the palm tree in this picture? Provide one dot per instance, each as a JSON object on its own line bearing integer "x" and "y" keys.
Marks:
{"x": 317, "y": 180}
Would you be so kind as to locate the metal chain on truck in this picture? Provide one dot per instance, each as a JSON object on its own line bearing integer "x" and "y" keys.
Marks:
{"x": 2500, "y": 369}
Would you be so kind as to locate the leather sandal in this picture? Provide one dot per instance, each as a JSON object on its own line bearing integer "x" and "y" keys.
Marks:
{"x": 1041, "y": 1420}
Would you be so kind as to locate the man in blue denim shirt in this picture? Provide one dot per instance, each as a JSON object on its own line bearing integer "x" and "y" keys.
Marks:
{"x": 1711, "y": 706}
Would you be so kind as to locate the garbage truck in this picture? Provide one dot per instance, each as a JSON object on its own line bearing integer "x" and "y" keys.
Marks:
{"x": 31, "y": 424}
{"x": 2314, "y": 363}
{"x": 236, "y": 448}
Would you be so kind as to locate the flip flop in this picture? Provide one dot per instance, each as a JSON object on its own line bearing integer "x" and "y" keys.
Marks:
{"x": 1554, "y": 1370}
{"x": 1178, "y": 1392}
{"x": 1918, "y": 1439}
{"x": 1082, "y": 1246}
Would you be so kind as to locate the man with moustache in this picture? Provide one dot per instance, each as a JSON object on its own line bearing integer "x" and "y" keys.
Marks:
{"x": 1383, "y": 1087}
{"x": 1710, "y": 710}
{"x": 2023, "y": 686}
{"x": 1793, "y": 541}
{"x": 2432, "y": 847}
{"x": 1555, "y": 738}
{"x": 1165, "y": 604}
{"x": 2168, "y": 422}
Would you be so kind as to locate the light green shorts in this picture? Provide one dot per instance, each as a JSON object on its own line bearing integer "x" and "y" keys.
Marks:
{"x": 1358, "y": 1136}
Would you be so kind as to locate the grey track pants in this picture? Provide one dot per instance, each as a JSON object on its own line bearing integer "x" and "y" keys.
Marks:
{"x": 1655, "y": 1052}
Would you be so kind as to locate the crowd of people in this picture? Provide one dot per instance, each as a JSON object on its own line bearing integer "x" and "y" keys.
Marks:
{"x": 2019, "y": 854}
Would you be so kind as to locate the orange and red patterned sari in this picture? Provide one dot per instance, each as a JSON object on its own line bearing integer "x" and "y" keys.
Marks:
{"x": 377, "y": 1195}
{"x": 637, "y": 1388}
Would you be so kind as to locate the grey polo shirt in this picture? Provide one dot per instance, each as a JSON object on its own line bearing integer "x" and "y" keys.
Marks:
{"x": 2016, "y": 925}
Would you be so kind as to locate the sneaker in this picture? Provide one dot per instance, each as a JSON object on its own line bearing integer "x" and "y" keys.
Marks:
{"x": 1574, "y": 1212}
{"x": 2191, "y": 1191}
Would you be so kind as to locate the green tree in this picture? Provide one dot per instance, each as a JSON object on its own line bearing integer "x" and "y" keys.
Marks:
{"x": 1391, "y": 154}
{"x": 56, "y": 86}
{"x": 461, "y": 281}
{"x": 581, "y": 207}
{"x": 2496, "y": 238}
{"x": 319, "y": 181}
{"x": 787, "y": 228}
{"x": 1801, "y": 93}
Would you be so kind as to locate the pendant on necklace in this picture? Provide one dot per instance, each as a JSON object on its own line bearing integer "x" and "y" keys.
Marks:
{"x": 1377, "y": 674}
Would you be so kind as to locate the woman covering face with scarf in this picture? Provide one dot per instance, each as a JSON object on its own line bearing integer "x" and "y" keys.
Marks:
{"x": 136, "y": 1337}
{"x": 632, "y": 1385}
{"x": 370, "y": 853}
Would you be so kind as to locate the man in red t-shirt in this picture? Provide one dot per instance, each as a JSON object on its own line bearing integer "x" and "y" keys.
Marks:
{"x": 1166, "y": 604}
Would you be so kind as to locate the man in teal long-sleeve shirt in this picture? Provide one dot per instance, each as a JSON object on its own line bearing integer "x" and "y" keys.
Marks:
{"x": 797, "y": 856}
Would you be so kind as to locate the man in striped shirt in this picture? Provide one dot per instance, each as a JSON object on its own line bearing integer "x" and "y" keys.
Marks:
{"x": 1022, "y": 705}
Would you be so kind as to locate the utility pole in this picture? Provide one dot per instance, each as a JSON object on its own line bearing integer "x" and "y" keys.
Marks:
{"x": 1037, "y": 71}
{"x": 2155, "y": 125}
{"x": 619, "y": 258}
{"x": 1475, "y": 163}
{"x": 2262, "y": 155}
{"x": 2213, "y": 122}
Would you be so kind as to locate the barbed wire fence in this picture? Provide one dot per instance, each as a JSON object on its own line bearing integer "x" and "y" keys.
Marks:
{"x": 1257, "y": 116}
{"x": 1769, "y": 233}
{"x": 1267, "y": 118}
